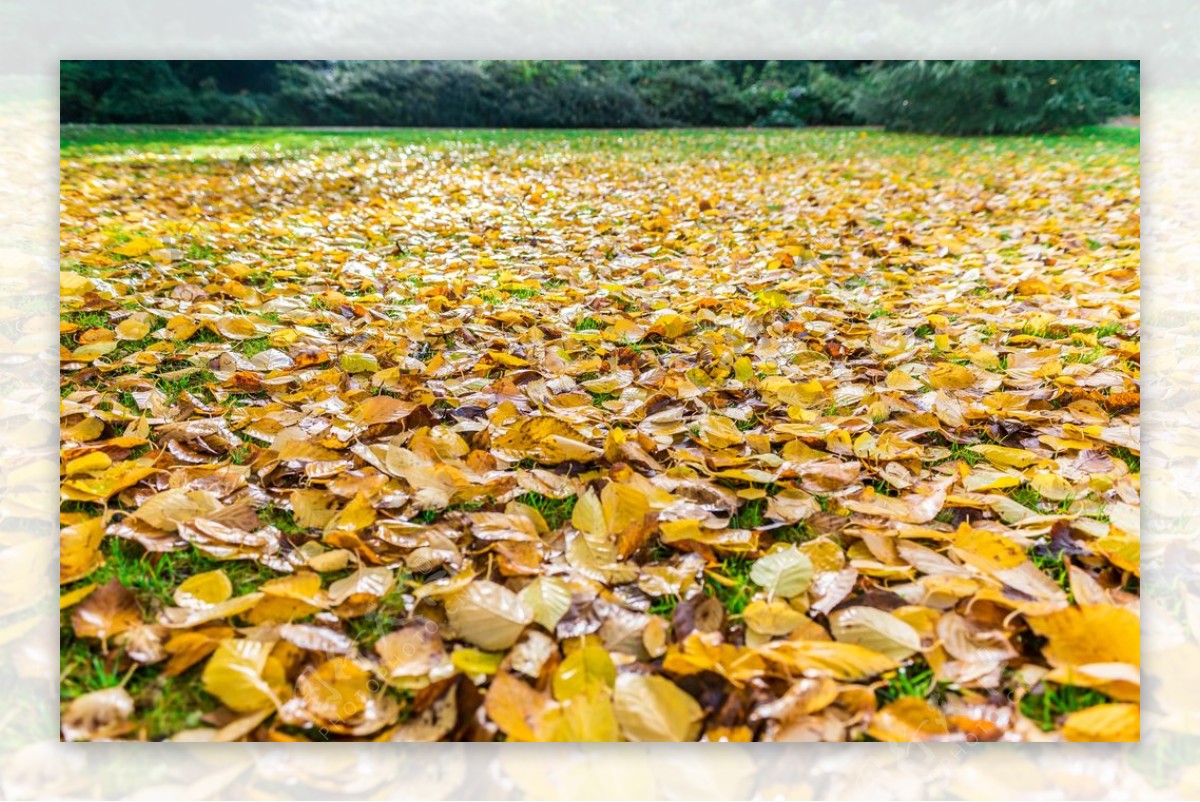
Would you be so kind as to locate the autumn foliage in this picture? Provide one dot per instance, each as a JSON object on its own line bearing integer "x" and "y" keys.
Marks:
{"x": 663, "y": 437}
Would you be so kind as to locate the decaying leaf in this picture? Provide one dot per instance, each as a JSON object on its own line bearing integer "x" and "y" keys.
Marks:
{"x": 98, "y": 716}
{"x": 109, "y": 611}
{"x": 488, "y": 615}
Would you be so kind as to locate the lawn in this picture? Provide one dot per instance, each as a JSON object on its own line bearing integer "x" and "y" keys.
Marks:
{"x": 590, "y": 435}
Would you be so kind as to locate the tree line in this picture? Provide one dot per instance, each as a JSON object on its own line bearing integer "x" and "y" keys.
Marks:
{"x": 953, "y": 97}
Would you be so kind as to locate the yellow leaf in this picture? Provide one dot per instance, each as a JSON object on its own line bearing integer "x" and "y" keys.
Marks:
{"x": 234, "y": 675}
{"x": 844, "y": 661}
{"x": 949, "y": 376}
{"x": 1005, "y": 456}
{"x": 588, "y": 718}
{"x": 588, "y": 515}
{"x": 489, "y": 615}
{"x": 183, "y": 617}
{"x": 988, "y": 551}
{"x": 78, "y": 552}
{"x": 1052, "y": 486}
{"x": 103, "y": 485}
{"x": 94, "y": 462}
{"x": 474, "y": 661}
{"x": 706, "y": 651}
{"x": 899, "y": 379}
{"x": 652, "y": 708}
{"x": 1122, "y": 550}
{"x": 73, "y": 284}
{"x": 549, "y": 598}
{"x": 202, "y": 590}
{"x": 1109, "y": 723}
{"x": 138, "y": 246}
{"x": 786, "y": 572}
{"x": 912, "y": 508}
{"x": 547, "y": 440}
{"x": 623, "y": 506}
{"x": 1089, "y": 633}
{"x": 772, "y": 618}
{"x": 358, "y": 514}
{"x": 908, "y": 719}
{"x": 359, "y": 363}
{"x": 584, "y": 670}
{"x": 718, "y": 431}
{"x": 336, "y": 690}
{"x": 514, "y": 707}
{"x": 675, "y": 531}
{"x": 71, "y": 598}
{"x": 87, "y": 429}
{"x": 980, "y": 479}
{"x": 134, "y": 327}
{"x": 507, "y": 360}
{"x": 877, "y": 630}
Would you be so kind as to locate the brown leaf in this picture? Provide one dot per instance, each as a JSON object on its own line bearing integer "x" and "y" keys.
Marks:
{"x": 109, "y": 611}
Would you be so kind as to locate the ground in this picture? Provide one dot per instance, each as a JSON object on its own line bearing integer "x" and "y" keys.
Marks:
{"x": 745, "y": 435}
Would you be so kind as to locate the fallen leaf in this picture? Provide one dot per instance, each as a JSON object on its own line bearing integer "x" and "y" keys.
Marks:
{"x": 651, "y": 708}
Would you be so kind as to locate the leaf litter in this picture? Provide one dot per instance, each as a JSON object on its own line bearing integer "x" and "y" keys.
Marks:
{"x": 668, "y": 437}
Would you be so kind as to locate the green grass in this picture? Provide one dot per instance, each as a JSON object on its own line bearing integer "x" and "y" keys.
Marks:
{"x": 750, "y": 515}
{"x": 254, "y": 346}
{"x": 272, "y": 144}
{"x": 658, "y": 551}
{"x": 1052, "y": 564}
{"x": 664, "y": 606}
{"x": 735, "y": 594}
{"x": 589, "y": 324}
{"x": 1056, "y": 701}
{"x": 1085, "y": 357}
{"x": 164, "y": 705}
{"x": 1027, "y": 497}
{"x": 882, "y": 488}
{"x": 599, "y": 399}
{"x": 913, "y": 680}
{"x": 555, "y": 511}
{"x": 87, "y": 320}
{"x": 429, "y": 516}
{"x": 387, "y": 617}
{"x": 281, "y": 519}
{"x": 173, "y": 704}
{"x": 153, "y": 576}
{"x": 961, "y": 451}
{"x": 796, "y": 533}
{"x": 194, "y": 383}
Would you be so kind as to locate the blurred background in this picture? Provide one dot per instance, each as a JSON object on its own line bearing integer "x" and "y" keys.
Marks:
{"x": 950, "y": 97}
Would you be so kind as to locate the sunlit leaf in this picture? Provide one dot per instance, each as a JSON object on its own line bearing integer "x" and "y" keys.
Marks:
{"x": 651, "y": 708}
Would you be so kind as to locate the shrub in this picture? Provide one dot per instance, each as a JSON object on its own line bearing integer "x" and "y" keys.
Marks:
{"x": 695, "y": 93}
{"x": 955, "y": 97}
{"x": 993, "y": 97}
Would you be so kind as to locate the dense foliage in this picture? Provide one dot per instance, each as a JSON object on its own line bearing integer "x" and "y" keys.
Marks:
{"x": 995, "y": 97}
{"x": 963, "y": 97}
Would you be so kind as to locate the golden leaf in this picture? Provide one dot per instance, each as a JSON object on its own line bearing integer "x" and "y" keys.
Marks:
{"x": 651, "y": 708}
{"x": 1110, "y": 723}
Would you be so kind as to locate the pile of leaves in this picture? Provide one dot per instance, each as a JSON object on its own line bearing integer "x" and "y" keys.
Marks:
{"x": 811, "y": 436}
